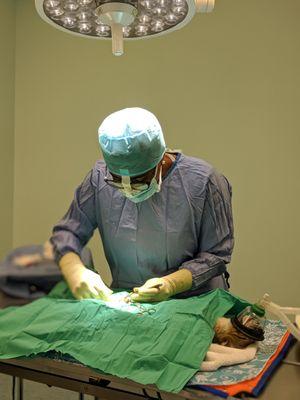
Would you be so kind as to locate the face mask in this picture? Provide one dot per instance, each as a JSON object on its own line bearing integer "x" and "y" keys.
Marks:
{"x": 139, "y": 195}
{"x": 251, "y": 322}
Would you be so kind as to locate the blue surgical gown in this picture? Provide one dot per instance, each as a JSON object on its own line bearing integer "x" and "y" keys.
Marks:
{"x": 188, "y": 224}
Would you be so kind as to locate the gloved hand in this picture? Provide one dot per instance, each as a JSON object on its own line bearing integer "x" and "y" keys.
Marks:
{"x": 159, "y": 289}
{"x": 83, "y": 283}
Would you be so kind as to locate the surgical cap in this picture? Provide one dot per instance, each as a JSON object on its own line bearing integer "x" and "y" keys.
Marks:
{"x": 131, "y": 141}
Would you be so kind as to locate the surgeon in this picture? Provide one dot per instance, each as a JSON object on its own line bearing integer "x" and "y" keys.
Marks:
{"x": 165, "y": 219}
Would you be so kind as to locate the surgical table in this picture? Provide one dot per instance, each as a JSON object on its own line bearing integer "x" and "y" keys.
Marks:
{"x": 285, "y": 383}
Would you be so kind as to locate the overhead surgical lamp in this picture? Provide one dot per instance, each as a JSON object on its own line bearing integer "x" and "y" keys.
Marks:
{"x": 121, "y": 19}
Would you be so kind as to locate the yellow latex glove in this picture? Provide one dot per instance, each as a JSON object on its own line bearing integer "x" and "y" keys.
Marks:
{"x": 159, "y": 289}
{"x": 83, "y": 283}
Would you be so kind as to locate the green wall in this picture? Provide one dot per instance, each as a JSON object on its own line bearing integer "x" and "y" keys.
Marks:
{"x": 7, "y": 89}
{"x": 225, "y": 88}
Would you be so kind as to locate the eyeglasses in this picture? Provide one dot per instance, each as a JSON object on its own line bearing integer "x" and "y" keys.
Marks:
{"x": 119, "y": 185}
{"x": 137, "y": 183}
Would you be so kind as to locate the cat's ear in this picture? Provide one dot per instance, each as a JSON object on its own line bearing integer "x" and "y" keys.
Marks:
{"x": 224, "y": 342}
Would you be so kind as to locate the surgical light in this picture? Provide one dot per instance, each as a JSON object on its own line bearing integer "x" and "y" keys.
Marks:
{"x": 120, "y": 19}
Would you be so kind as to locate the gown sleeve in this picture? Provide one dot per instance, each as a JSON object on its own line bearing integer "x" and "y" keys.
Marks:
{"x": 216, "y": 238}
{"x": 75, "y": 229}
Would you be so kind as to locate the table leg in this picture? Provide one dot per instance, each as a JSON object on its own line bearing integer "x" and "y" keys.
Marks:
{"x": 19, "y": 388}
